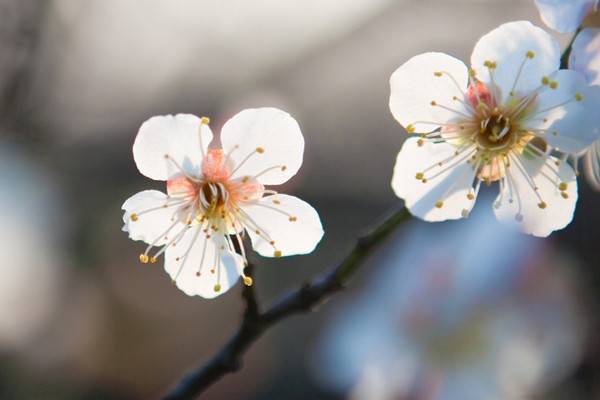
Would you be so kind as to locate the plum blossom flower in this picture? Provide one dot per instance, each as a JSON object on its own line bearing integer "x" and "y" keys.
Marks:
{"x": 496, "y": 122}
{"x": 585, "y": 58}
{"x": 214, "y": 195}
{"x": 565, "y": 15}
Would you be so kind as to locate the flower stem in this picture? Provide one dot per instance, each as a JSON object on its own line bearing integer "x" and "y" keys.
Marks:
{"x": 564, "y": 58}
{"x": 230, "y": 357}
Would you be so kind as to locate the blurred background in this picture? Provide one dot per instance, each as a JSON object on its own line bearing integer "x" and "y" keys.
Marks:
{"x": 82, "y": 318}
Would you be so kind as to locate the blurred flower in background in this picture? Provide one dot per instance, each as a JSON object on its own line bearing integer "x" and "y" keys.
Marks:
{"x": 585, "y": 58}
{"x": 565, "y": 15}
{"x": 460, "y": 311}
{"x": 32, "y": 234}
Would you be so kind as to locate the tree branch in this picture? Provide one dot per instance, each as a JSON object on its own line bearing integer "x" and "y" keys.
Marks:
{"x": 255, "y": 323}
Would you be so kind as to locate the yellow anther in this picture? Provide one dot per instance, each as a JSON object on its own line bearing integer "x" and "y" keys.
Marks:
{"x": 217, "y": 288}
{"x": 134, "y": 217}
{"x": 247, "y": 281}
{"x": 542, "y": 205}
{"x": 472, "y": 73}
{"x": 439, "y": 204}
{"x": 419, "y": 175}
{"x": 564, "y": 195}
{"x": 144, "y": 258}
{"x": 470, "y": 196}
{"x": 465, "y": 213}
{"x": 277, "y": 253}
{"x": 276, "y": 202}
{"x": 272, "y": 242}
{"x": 530, "y": 54}
{"x": 410, "y": 128}
{"x": 553, "y": 85}
{"x": 153, "y": 260}
{"x": 578, "y": 96}
{"x": 420, "y": 142}
{"x": 490, "y": 64}
{"x": 245, "y": 179}
{"x": 283, "y": 168}
{"x": 260, "y": 150}
{"x": 205, "y": 120}
{"x": 438, "y": 74}
{"x": 511, "y": 93}
{"x": 562, "y": 186}
{"x": 174, "y": 282}
{"x": 433, "y": 103}
{"x": 293, "y": 219}
{"x": 545, "y": 80}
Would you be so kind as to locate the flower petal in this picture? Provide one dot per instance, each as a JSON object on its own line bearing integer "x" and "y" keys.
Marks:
{"x": 216, "y": 266}
{"x": 591, "y": 163}
{"x": 519, "y": 198}
{"x": 572, "y": 122}
{"x": 452, "y": 184}
{"x": 265, "y": 143}
{"x": 183, "y": 137}
{"x": 292, "y": 224}
{"x": 147, "y": 219}
{"x": 585, "y": 55}
{"x": 428, "y": 77}
{"x": 509, "y": 46}
{"x": 563, "y": 16}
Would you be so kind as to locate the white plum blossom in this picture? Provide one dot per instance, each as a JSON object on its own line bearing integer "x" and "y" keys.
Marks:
{"x": 498, "y": 121}
{"x": 585, "y": 58}
{"x": 565, "y": 15}
{"x": 214, "y": 195}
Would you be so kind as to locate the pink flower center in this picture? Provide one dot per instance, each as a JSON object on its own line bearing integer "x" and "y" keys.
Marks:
{"x": 215, "y": 193}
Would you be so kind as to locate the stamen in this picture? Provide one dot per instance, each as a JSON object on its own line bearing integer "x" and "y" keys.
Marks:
{"x": 203, "y": 121}
{"x": 192, "y": 178}
{"x": 237, "y": 167}
{"x": 528, "y": 56}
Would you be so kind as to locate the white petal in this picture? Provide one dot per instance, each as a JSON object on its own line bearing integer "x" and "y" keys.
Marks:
{"x": 415, "y": 85}
{"x": 573, "y": 125}
{"x": 585, "y": 55}
{"x": 202, "y": 256}
{"x": 508, "y": 46}
{"x": 153, "y": 220}
{"x": 451, "y": 186}
{"x": 271, "y": 130}
{"x": 547, "y": 176}
{"x": 591, "y": 164}
{"x": 179, "y": 136}
{"x": 272, "y": 220}
{"x": 563, "y": 15}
